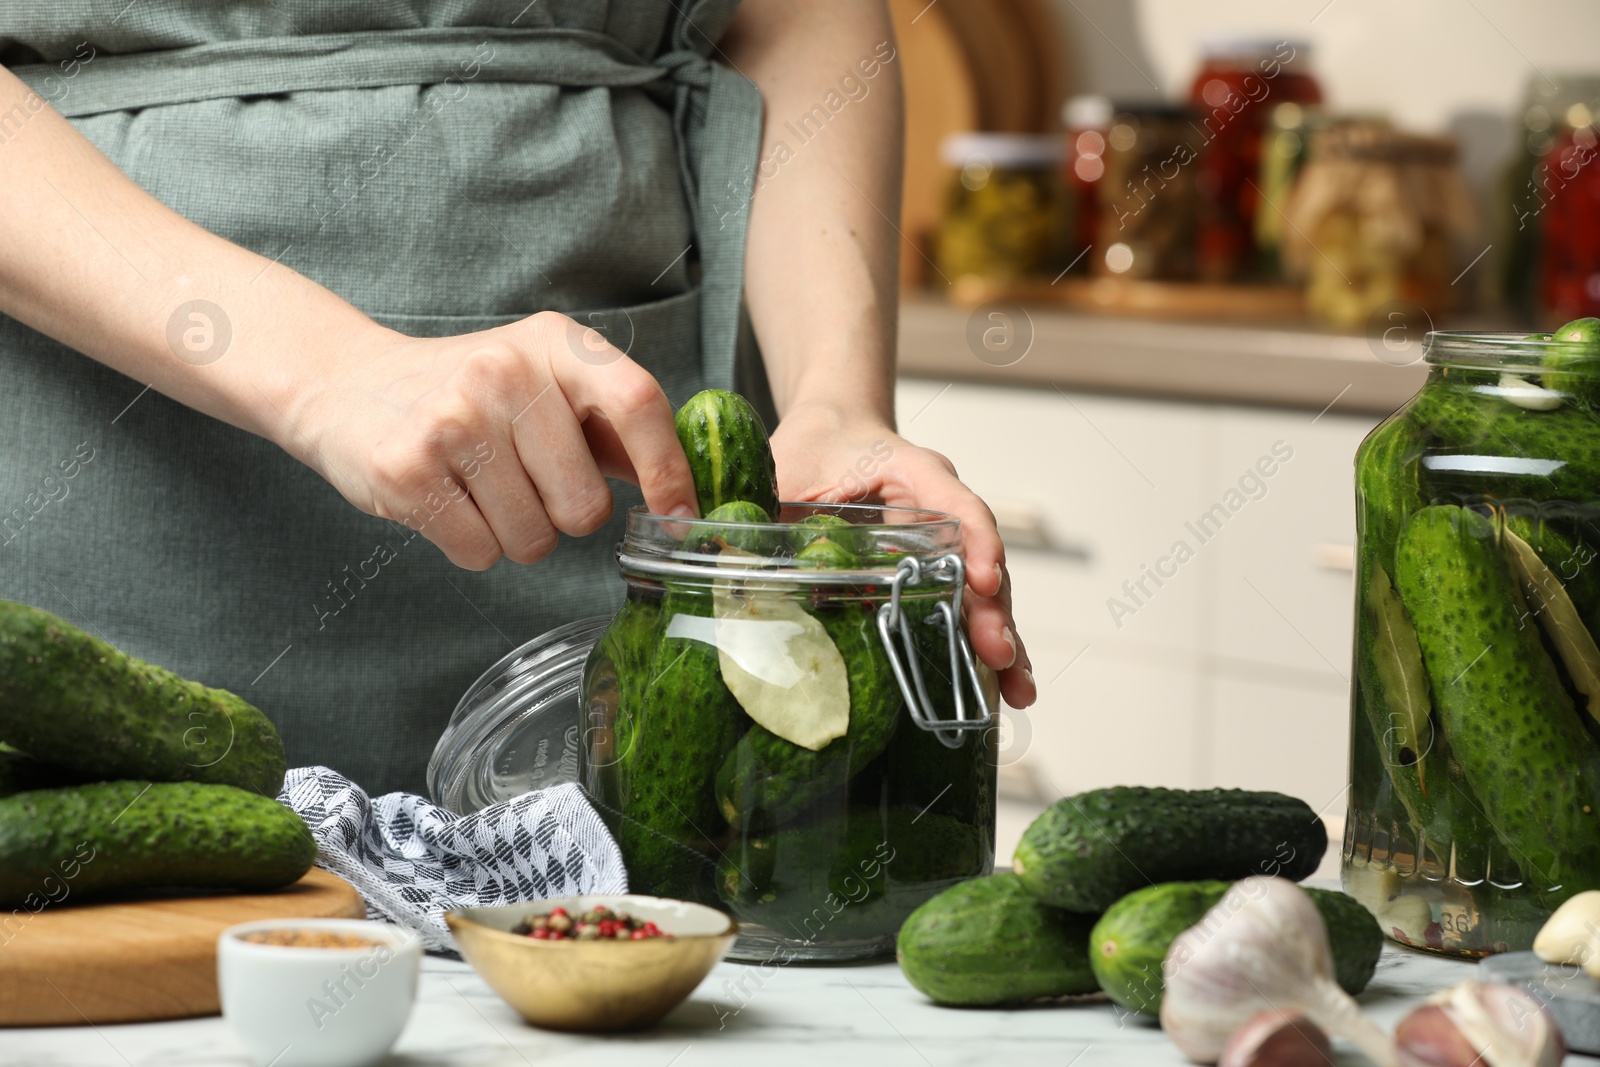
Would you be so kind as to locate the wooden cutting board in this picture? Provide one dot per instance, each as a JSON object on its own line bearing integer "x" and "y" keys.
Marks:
{"x": 137, "y": 961}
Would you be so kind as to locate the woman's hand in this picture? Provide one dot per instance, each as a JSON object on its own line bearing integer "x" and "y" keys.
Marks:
{"x": 491, "y": 443}
{"x": 826, "y": 454}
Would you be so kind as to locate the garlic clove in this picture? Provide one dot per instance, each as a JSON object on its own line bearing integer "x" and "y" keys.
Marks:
{"x": 1429, "y": 1037}
{"x": 1262, "y": 946}
{"x": 1274, "y": 1038}
{"x": 1475, "y": 1023}
{"x": 1406, "y": 919}
{"x": 1572, "y": 933}
{"x": 1523, "y": 393}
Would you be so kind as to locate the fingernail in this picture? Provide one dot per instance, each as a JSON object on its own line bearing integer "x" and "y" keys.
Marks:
{"x": 1028, "y": 674}
{"x": 999, "y": 572}
{"x": 682, "y": 511}
{"x": 1011, "y": 642}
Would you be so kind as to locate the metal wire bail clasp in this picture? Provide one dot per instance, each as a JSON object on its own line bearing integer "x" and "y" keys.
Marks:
{"x": 963, "y": 667}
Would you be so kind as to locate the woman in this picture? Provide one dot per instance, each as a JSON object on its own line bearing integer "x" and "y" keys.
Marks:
{"x": 293, "y": 287}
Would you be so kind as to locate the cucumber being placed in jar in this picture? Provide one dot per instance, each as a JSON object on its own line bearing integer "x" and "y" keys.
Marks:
{"x": 73, "y": 700}
{"x": 728, "y": 452}
{"x": 728, "y": 526}
{"x": 765, "y": 780}
{"x": 841, "y": 875}
{"x": 1087, "y": 851}
{"x": 1511, "y": 726}
{"x": 662, "y": 809}
{"x": 1129, "y": 943}
{"x": 84, "y": 841}
{"x": 989, "y": 941}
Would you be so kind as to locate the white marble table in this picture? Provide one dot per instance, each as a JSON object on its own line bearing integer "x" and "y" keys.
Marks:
{"x": 745, "y": 1016}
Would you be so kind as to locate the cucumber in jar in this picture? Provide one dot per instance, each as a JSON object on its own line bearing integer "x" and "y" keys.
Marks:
{"x": 841, "y": 873}
{"x": 1511, "y": 726}
{"x": 660, "y": 805}
{"x": 765, "y": 780}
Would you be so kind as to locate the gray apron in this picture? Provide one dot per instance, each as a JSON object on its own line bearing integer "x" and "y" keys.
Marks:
{"x": 446, "y": 166}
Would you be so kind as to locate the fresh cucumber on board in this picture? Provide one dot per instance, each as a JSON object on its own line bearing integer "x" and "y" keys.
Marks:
{"x": 1087, "y": 851}
{"x": 1511, "y": 725}
{"x": 729, "y": 456}
{"x": 86, "y": 841}
{"x": 989, "y": 941}
{"x": 1130, "y": 941}
{"x": 71, "y": 699}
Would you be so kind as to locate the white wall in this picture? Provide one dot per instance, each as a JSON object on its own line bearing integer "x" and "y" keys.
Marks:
{"x": 1422, "y": 61}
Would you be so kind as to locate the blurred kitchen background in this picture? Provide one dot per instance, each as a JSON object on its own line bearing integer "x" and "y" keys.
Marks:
{"x": 1165, "y": 265}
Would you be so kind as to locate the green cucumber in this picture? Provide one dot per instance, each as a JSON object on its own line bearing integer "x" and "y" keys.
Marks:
{"x": 1572, "y": 363}
{"x": 804, "y": 531}
{"x": 846, "y": 875}
{"x": 1388, "y": 484}
{"x": 1129, "y": 943}
{"x": 989, "y": 941}
{"x": 826, "y": 554}
{"x": 728, "y": 452}
{"x": 614, "y": 681}
{"x": 730, "y": 526}
{"x": 87, "y": 841}
{"x": 1574, "y": 562}
{"x": 1484, "y": 445}
{"x": 1087, "y": 851}
{"x": 1521, "y": 747}
{"x": 73, "y": 700}
{"x": 765, "y": 780}
{"x": 658, "y": 797}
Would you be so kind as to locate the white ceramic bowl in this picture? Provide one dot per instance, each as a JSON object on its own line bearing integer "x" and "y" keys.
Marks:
{"x": 294, "y": 1006}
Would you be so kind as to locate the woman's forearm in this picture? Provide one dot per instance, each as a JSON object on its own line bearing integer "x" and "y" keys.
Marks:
{"x": 92, "y": 260}
{"x": 823, "y": 250}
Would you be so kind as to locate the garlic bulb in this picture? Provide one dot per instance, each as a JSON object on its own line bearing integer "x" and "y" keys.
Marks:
{"x": 1277, "y": 1039}
{"x": 1572, "y": 934}
{"x": 1479, "y": 1024}
{"x": 1262, "y": 947}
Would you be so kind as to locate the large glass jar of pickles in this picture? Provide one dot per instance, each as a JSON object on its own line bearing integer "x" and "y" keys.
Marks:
{"x": 1475, "y": 765}
{"x": 784, "y": 720}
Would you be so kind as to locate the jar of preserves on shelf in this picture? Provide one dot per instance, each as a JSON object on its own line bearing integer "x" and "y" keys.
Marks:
{"x": 1377, "y": 216}
{"x": 1474, "y": 806}
{"x": 1147, "y": 196}
{"x": 1007, "y": 211}
{"x": 1240, "y": 81}
{"x": 784, "y": 721}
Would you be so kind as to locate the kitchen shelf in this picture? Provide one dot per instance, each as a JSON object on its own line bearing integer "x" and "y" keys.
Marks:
{"x": 1273, "y": 366}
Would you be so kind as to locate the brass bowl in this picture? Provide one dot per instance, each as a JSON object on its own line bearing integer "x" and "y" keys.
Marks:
{"x": 594, "y": 985}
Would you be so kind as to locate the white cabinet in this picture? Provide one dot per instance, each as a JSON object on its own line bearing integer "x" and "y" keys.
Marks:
{"x": 1181, "y": 578}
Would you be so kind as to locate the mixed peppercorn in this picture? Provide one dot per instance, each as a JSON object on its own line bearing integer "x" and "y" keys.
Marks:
{"x": 599, "y": 923}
